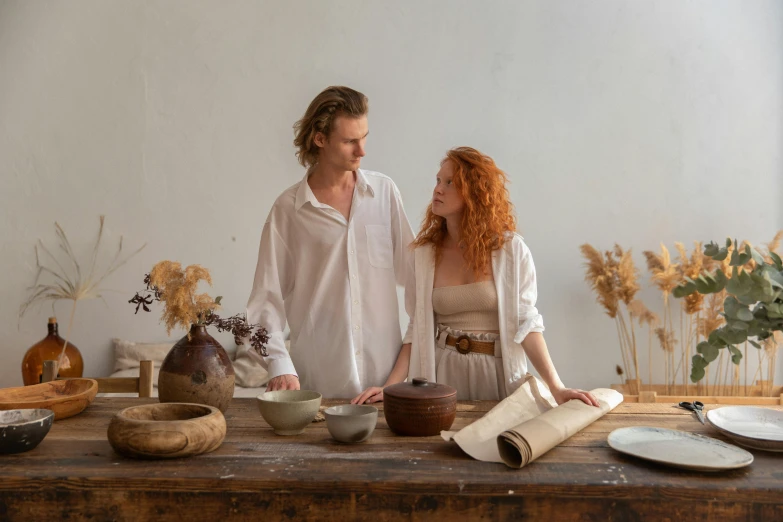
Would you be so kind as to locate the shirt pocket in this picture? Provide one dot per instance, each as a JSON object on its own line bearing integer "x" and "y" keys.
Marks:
{"x": 379, "y": 246}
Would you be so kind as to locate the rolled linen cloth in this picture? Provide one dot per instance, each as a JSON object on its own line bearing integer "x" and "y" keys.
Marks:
{"x": 527, "y": 441}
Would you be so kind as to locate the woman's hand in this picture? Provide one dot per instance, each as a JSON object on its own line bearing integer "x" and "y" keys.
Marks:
{"x": 368, "y": 396}
{"x": 566, "y": 394}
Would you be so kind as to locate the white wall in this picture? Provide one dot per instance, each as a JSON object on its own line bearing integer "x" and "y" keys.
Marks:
{"x": 628, "y": 122}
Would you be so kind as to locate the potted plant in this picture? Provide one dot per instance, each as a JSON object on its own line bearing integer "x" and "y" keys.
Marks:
{"x": 197, "y": 369}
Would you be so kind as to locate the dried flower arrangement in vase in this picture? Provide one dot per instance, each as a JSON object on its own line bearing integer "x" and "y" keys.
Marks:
{"x": 69, "y": 281}
{"x": 197, "y": 369}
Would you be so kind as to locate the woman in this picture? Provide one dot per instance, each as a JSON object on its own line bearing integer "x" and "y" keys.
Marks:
{"x": 475, "y": 317}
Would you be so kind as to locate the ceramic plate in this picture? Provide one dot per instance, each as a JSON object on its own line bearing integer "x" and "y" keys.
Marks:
{"x": 758, "y": 428}
{"x": 678, "y": 448}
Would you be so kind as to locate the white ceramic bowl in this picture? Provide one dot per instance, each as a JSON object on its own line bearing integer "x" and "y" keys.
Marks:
{"x": 754, "y": 427}
{"x": 351, "y": 422}
{"x": 289, "y": 412}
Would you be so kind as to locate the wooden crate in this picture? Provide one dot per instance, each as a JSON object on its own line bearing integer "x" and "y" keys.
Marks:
{"x": 763, "y": 393}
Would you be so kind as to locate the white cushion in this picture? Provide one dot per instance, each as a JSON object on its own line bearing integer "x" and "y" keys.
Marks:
{"x": 127, "y": 354}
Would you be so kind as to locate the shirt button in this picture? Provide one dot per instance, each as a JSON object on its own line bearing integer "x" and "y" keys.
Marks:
{"x": 354, "y": 276}
{"x": 351, "y": 251}
{"x": 355, "y": 301}
{"x": 356, "y": 327}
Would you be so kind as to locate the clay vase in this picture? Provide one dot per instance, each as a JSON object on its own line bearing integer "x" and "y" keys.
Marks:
{"x": 49, "y": 349}
{"x": 197, "y": 370}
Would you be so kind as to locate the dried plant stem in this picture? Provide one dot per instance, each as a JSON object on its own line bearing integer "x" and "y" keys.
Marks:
{"x": 727, "y": 372}
{"x": 622, "y": 346}
{"x": 759, "y": 374}
{"x": 693, "y": 330}
{"x": 716, "y": 380}
{"x": 67, "y": 335}
{"x": 706, "y": 380}
{"x": 746, "y": 369}
{"x": 745, "y": 360}
{"x": 635, "y": 352}
{"x": 630, "y": 346}
{"x": 683, "y": 344}
{"x": 758, "y": 371}
{"x": 649, "y": 354}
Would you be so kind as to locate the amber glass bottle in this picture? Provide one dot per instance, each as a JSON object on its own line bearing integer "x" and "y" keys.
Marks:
{"x": 49, "y": 349}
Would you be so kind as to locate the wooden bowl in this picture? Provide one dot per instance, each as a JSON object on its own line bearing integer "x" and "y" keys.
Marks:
{"x": 22, "y": 430}
{"x": 167, "y": 430}
{"x": 65, "y": 398}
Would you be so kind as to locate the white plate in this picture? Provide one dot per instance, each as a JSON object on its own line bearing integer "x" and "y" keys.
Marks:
{"x": 758, "y": 428}
{"x": 678, "y": 448}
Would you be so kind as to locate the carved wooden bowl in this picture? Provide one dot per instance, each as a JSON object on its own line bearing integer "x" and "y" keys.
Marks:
{"x": 65, "y": 398}
{"x": 167, "y": 430}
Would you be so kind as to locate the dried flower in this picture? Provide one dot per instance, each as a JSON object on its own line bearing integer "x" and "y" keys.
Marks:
{"x": 626, "y": 274}
{"x": 601, "y": 276}
{"x": 712, "y": 319}
{"x": 666, "y": 339}
{"x": 664, "y": 273}
{"x": 183, "y": 307}
{"x": 644, "y": 315}
{"x": 773, "y": 245}
{"x": 691, "y": 268}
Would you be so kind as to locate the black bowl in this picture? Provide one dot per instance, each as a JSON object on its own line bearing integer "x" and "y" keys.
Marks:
{"x": 22, "y": 430}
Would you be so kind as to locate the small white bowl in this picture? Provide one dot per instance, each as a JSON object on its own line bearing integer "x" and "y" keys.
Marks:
{"x": 289, "y": 411}
{"x": 351, "y": 422}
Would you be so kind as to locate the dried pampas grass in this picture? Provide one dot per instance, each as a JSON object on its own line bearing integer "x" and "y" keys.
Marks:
{"x": 177, "y": 289}
{"x": 71, "y": 280}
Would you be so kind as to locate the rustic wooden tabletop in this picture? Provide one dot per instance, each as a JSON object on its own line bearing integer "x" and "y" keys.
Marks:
{"x": 75, "y": 474}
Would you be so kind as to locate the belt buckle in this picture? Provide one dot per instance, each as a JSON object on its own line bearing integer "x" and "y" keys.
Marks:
{"x": 459, "y": 344}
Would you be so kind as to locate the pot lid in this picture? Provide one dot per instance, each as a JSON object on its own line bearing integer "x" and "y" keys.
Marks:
{"x": 419, "y": 388}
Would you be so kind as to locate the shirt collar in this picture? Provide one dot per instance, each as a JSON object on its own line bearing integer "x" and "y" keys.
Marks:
{"x": 305, "y": 194}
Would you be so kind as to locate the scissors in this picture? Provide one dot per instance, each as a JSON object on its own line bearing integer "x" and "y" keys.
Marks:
{"x": 695, "y": 407}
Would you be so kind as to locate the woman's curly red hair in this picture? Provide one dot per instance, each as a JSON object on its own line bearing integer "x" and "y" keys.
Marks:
{"x": 488, "y": 212}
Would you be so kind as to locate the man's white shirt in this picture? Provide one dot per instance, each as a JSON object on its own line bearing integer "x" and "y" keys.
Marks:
{"x": 335, "y": 282}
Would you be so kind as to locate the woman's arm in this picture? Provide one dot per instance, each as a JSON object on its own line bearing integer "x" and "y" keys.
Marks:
{"x": 536, "y": 350}
{"x": 398, "y": 374}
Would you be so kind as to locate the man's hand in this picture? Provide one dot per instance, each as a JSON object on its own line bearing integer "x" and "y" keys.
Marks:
{"x": 283, "y": 382}
{"x": 368, "y": 396}
{"x": 566, "y": 394}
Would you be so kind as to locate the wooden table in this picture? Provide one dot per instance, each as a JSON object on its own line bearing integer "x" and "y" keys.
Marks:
{"x": 75, "y": 474}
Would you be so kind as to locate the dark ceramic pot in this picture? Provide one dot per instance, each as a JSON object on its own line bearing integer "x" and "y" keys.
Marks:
{"x": 419, "y": 408}
{"x": 197, "y": 370}
{"x": 22, "y": 430}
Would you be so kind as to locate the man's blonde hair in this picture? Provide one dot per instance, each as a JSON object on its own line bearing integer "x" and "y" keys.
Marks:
{"x": 320, "y": 116}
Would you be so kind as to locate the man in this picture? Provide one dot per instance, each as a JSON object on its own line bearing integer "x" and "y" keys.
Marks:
{"x": 333, "y": 250}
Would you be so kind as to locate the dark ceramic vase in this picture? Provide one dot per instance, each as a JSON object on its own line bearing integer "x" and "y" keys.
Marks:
{"x": 197, "y": 370}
